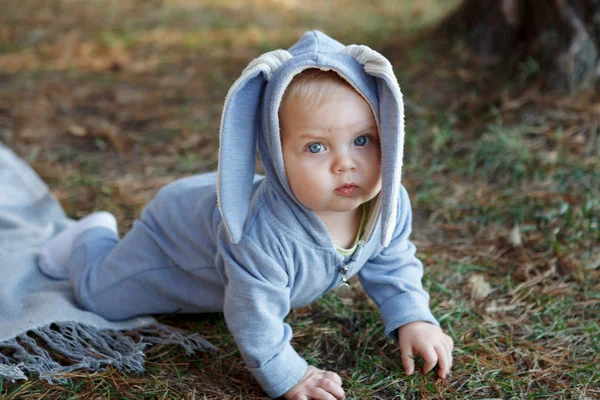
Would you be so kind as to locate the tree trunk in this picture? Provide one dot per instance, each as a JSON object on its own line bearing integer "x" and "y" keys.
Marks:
{"x": 563, "y": 36}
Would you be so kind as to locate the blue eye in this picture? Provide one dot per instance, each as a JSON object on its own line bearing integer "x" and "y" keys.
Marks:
{"x": 315, "y": 147}
{"x": 361, "y": 141}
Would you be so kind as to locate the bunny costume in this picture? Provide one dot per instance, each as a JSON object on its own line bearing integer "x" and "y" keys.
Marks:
{"x": 241, "y": 243}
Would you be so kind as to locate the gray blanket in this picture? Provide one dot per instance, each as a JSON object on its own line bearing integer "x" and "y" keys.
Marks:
{"x": 38, "y": 313}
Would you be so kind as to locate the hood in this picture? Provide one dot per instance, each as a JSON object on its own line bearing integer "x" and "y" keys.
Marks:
{"x": 250, "y": 119}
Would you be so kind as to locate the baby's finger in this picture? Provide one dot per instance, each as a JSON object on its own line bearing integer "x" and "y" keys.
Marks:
{"x": 316, "y": 393}
{"x": 408, "y": 361}
{"x": 332, "y": 387}
{"x": 449, "y": 347}
{"x": 430, "y": 357}
{"x": 334, "y": 377}
{"x": 444, "y": 361}
{"x": 449, "y": 342}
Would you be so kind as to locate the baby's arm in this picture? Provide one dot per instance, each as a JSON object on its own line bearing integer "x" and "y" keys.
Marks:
{"x": 257, "y": 299}
{"x": 393, "y": 280}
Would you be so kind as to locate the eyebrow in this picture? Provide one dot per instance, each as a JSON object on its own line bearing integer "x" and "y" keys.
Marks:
{"x": 317, "y": 136}
{"x": 308, "y": 136}
{"x": 370, "y": 127}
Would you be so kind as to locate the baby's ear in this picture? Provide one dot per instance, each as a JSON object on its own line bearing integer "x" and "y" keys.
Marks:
{"x": 391, "y": 135}
{"x": 240, "y": 123}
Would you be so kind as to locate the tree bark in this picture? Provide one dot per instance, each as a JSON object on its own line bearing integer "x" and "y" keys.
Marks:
{"x": 563, "y": 36}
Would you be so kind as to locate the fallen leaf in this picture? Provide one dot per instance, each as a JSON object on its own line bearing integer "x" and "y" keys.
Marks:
{"x": 514, "y": 238}
{"x": 480, "y": 289}
{"x": 594, "y": 262}
{"x": 77, "y": 130}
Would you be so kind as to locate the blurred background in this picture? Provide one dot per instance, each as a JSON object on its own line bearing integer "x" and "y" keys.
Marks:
{"x": 109, "y": 100}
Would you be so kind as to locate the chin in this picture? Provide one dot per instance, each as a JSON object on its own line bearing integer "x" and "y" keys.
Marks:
{"x": 347, "y": 207}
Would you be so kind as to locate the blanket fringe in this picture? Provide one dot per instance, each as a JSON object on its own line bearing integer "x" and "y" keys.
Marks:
{"x": 89, "y": 348}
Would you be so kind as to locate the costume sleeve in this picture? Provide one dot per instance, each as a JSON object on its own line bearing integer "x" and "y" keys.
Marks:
{"x": 257, "y": 299}
{"x": 393, "y": 277}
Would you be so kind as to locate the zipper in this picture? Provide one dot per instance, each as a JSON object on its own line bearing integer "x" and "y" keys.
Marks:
{"x": 343, "y": 289}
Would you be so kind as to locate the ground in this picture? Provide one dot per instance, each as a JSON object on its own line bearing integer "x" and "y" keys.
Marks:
{"x": 109, "y": 100}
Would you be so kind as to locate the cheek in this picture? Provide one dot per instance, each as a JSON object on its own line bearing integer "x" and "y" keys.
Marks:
{"x": 308, "y": 187}
{"x": 378, "y": 185}
{"x": 372, "y": 160}
{"x": 375, "y": 170}
{"x": 303, "y": 175}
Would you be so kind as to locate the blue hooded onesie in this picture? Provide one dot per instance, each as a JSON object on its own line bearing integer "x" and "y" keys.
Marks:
{"x": 240, "y": 243}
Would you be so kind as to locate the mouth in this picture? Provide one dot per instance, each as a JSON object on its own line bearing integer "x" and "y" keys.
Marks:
{"x": 346, "y": 190}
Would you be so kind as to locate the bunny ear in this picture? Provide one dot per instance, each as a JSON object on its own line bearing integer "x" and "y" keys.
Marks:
{"x": 240, "y": 124}
{"x": 391, "y": 116}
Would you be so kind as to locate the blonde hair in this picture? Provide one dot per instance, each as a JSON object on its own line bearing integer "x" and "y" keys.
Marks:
{"x": 312, "y": 86}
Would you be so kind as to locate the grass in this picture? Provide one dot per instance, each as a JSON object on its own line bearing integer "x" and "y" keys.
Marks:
{"x": 504, "y": 184}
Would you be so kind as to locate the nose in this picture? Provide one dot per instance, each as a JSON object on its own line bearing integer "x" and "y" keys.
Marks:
{"x": 343, "y": 163}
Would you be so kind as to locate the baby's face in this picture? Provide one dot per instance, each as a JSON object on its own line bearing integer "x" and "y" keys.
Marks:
{"x": 331, "y": 153}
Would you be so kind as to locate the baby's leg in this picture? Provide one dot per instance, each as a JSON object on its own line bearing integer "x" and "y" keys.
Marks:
{"x": 133, "y": 277}
{"x": 55, "y": 254}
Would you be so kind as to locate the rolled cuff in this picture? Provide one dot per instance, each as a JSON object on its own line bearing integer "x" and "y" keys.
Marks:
{"x": 280, "y": 373}
{"x": 404, "y": 308}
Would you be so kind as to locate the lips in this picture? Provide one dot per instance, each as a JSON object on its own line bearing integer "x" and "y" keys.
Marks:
{"x": 346, "y": 190}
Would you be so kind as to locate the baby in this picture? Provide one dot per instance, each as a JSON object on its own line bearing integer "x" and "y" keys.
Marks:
{"x": 328, "y": 123}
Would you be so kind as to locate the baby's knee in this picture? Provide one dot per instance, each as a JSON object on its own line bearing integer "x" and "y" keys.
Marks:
{"x": 107, "y": 307}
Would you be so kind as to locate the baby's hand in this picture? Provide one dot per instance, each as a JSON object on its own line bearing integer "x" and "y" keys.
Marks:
{"x": 430, "y": 342}
{"x": 317, "y": 385}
